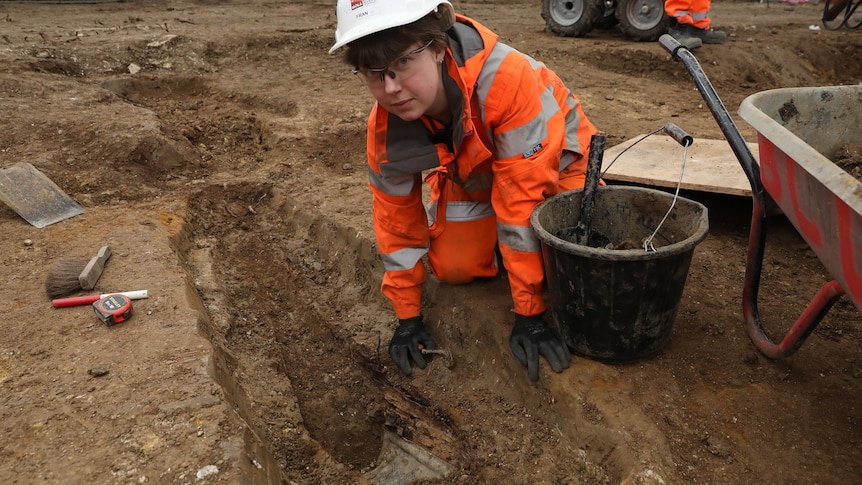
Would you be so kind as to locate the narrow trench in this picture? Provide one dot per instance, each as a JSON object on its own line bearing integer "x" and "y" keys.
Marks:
{"x": 275, "y": 288}
{"x": 269, "y": 284}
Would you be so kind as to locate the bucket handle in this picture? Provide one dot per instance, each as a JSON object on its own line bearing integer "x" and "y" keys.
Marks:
{"x": 684, "y": 139}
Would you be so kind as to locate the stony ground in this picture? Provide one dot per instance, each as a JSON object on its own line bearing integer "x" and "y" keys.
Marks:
{"x": 217, "y": 148}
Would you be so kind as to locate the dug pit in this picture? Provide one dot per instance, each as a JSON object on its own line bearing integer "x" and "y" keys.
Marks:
{"x": 227, "y": 172}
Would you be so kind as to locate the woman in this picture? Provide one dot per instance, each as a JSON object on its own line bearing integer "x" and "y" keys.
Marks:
{"x": 496, "y": 132}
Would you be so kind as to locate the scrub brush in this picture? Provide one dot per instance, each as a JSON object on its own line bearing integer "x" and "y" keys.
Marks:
{"x": 74, "y": 274}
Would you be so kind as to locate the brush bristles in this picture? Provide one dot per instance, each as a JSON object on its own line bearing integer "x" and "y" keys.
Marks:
{"x": 63, "y": 277}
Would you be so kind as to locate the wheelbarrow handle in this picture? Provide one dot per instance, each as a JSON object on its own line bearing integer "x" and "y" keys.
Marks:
{"x": 734, "y": 137}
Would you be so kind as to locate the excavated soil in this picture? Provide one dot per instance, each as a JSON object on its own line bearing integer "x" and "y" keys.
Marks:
{"x": 218, "y": 150}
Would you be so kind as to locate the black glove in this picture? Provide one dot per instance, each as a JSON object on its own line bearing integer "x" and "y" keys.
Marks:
{"x": 409, "y": 335}
{"x": 531, "y": 337}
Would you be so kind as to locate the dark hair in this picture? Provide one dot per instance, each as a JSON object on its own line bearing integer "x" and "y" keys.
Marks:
{"x": 381, "y": 48}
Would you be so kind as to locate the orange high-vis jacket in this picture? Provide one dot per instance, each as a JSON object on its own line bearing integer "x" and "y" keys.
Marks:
{"x": 518, "y": 136}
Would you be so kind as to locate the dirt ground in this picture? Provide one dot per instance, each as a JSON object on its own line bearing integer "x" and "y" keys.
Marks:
{"x": 218, "y": 150}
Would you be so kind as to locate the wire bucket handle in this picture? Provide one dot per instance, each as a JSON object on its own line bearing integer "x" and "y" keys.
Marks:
{"x": 685, "y": 140}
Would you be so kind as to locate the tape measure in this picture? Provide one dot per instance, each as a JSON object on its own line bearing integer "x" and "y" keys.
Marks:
{"x": 113, "y": 309}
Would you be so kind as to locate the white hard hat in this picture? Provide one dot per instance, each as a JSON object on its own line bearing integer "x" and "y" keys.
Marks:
{"x": 358, "y": 18}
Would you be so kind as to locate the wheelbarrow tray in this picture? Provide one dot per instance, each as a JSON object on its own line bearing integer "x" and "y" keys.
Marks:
{"x": 800, "y": 131}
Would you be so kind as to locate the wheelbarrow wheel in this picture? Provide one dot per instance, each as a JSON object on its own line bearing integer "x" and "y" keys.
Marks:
{"x": 571, "y": 18}
{"x": 642, "y": 20}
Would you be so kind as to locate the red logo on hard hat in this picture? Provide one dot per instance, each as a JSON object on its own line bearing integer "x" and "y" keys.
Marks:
{"x": 354, "y": 4}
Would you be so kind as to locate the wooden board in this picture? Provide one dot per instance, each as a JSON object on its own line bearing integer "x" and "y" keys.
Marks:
{"x": 711, "y": 165}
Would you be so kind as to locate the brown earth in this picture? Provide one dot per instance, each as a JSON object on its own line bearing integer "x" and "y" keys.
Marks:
{"x": 217, "y": 148}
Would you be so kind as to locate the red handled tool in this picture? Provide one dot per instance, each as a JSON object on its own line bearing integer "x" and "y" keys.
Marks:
{"x": 88, "y": 299}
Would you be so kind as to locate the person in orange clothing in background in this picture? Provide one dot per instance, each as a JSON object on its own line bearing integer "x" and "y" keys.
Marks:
{"x": 495, "y": 131}
{"x": 692, "y": 23}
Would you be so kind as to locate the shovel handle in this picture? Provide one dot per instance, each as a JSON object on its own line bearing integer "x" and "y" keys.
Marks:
{"x": 594, "y": 168}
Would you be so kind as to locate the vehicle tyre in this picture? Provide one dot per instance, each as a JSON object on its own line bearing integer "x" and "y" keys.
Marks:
{"x": 571, "y": 18}
{"x": 642, "y": 20}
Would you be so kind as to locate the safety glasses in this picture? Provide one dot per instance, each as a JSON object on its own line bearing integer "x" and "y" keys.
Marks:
{"x": 401, "y": 68}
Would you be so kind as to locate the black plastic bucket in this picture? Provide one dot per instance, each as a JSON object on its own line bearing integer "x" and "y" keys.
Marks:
{"x": 618, "y": 304}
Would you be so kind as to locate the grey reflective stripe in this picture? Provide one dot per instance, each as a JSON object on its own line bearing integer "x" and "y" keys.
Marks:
{"x": 526, "y": 137}
{"x": 431, "y": 212}
{"x": 566, "y": 159}
{"x": 573, "y": 123}
{"x": 397, "y": 185}
{"x": 486, "y": 76}
{"x": 466, "y": 210}
{"x": 461, "y": 211}
{"x": 519, "y": 238}
{"x": 403, "y": 259}
{"x": 694, "y": 15}
{"x": 529, "y": 136}
{"x": 490, "y": 68}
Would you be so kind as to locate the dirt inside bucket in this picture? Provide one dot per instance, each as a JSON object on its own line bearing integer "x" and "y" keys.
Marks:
{"x": 596, "y": 240}
{"x": 618, "y": 223}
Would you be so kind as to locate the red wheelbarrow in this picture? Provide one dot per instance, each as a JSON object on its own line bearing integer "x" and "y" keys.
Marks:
{"x": 798, "y": 129}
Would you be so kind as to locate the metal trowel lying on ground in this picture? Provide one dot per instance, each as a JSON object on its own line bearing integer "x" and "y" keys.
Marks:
{"x": 34, "y": 196}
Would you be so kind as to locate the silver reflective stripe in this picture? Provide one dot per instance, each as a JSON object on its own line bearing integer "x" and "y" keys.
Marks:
{"x": 573, "y": 122}
{"x": 566, "y": 159}
{"x": 529, "y": 136}
{"x": 463, "y": 211}
{"x": 519, "y": 238}
{"x": 694, "y": 15}
{"x": 490, "y": 68}
{"x": 398, "y": 185}
{"x": 431, "y": 212}
{"x": 403, "y": 259}
{"x": 522, "y": 139}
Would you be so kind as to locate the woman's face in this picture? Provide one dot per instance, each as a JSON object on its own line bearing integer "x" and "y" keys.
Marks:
{"x": 411, "y": 86}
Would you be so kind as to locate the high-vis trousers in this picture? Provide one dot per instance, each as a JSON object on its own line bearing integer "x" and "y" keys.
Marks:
{"x": 463, "y": 233}
{"x": 689, "y": 12}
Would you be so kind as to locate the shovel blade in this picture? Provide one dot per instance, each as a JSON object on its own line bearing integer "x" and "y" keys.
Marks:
{"x": 33, "y": 196}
